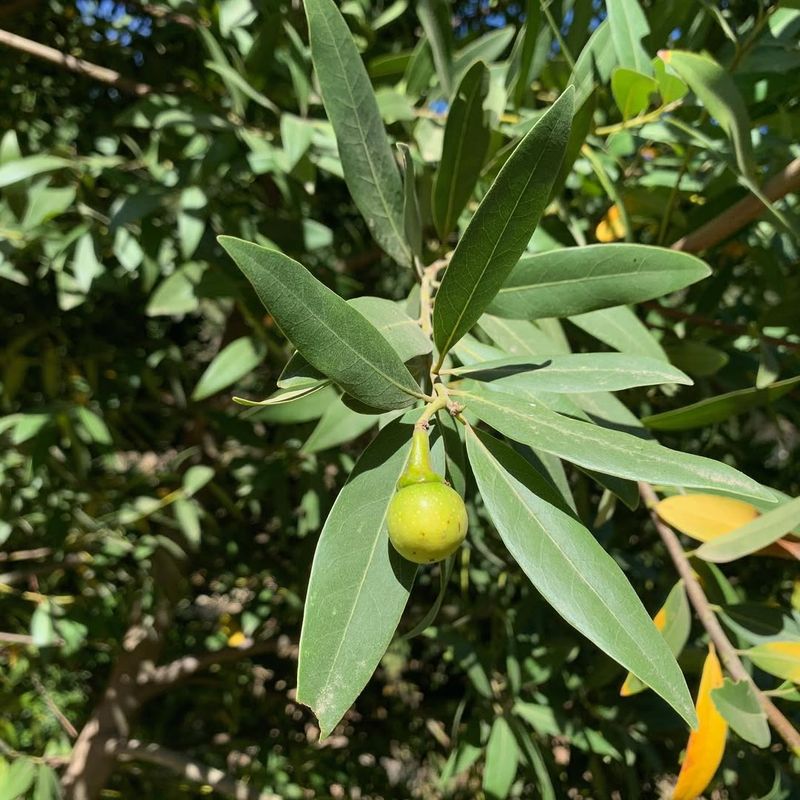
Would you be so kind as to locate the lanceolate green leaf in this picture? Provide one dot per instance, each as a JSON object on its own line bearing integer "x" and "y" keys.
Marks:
{"x": 628, "y": 28}
{"x": 554, "y": 550}
{"x": 596, "y": 61}
{"x": 502, "y": 759}
{"x": 466, "y": 138}
{"x": 502, "y": 226}
{"x": 403, "y": 334}
{"x": 716, "y": 90}
{"x": 412, "y": 221}
{"x": 435, "y": 18}
{"x": 574, "y": 372}
{"x": 620, "y": 328}
{"x": 761, "y": 532}
{"x": 23, "y": 168}
{"x": 575, "y": 280}
{"x": 231, "y": 364}
{"x": 369, "y": 167}
{"x": 717, "y": 409}
{"x": 358, "y": 586}
{"x": 601, "y": 449}
{"x": 332, "y": 336}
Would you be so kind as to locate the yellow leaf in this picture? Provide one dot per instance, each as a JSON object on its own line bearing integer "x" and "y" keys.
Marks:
{"x": 236, "y": 639}
{"x": 778, "y": 658}
{"x": 705, "y": 516}
{"x": 610, "y": 227}
{"x": 707, "y": 743}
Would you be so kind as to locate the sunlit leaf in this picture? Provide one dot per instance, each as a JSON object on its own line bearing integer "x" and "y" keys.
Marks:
{"x": 501, "y": 227}
{"x": 358, "y": 586}
{"x": 778, "y": 658}
{"x": 706, "y": 744}
{"x": 331, "y": 335}
{"x": 552, "y": 548}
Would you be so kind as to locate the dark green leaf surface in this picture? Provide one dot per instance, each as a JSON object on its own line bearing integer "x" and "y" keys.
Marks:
{"x": 369, "y": 167}
{"x": 403, "y": 334}
{"x": 358, "y": 586}
{"x": 601, "y": 449}
{"x": 720, "y": 408}
{"x": 575, "y": 575}
{"x": 435, "y": 18}
{"x": 574, "y": 372}
{"x": 502, "y": 226}
{"x": 412, "y": 222}
{"x": 466, "y": 137}
{"x": 331, "y": 335}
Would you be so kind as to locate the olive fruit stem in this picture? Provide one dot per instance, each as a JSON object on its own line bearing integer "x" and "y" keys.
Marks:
{"x": 439, "y": 402}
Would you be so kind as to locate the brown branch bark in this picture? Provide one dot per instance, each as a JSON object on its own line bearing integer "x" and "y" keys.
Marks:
{"x": 154, "y": 680}
{"x": 708, "y": 619}
{"x": 24, "y": 555}
{"x": 20, "y": 638}
{"x": 188, "y": 768}
{"x": 77, "y": 65}
{"x": 741, "y": 213}
{"x": 91, "y": 762}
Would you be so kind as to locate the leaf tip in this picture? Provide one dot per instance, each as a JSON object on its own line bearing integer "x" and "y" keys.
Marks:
{"x": 665, "y": 55}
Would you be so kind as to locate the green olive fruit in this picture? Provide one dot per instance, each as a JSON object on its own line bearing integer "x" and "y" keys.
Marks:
{"x": 427, "y": 519}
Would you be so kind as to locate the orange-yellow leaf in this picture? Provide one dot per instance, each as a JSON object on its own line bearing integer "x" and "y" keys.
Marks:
{"x": 705, "y": 516}
{"x": 610, "y": 227}
{"x": 707, "y": 743}
{"x": 236, "y": 639}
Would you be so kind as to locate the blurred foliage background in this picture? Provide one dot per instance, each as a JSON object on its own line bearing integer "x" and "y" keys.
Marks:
{"x": 144, "y": 517}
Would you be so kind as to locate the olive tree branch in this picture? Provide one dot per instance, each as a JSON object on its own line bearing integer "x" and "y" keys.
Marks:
{"x": 153, "y": 680}
{"x": 195, "y": 771}
{"x": 77, "y": 65}
{"x": 709, "y": 621}
{"x": 742, "y": 213}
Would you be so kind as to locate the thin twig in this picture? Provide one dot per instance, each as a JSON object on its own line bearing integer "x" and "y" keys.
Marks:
{"x": 68, "y": 727}
{"x": 192, "y": 770}
{"x": 77, "y": 65}
{"x": 24, "y": 555}
{"x": 21, "y": 638}
{"x": 709, "y": 621}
